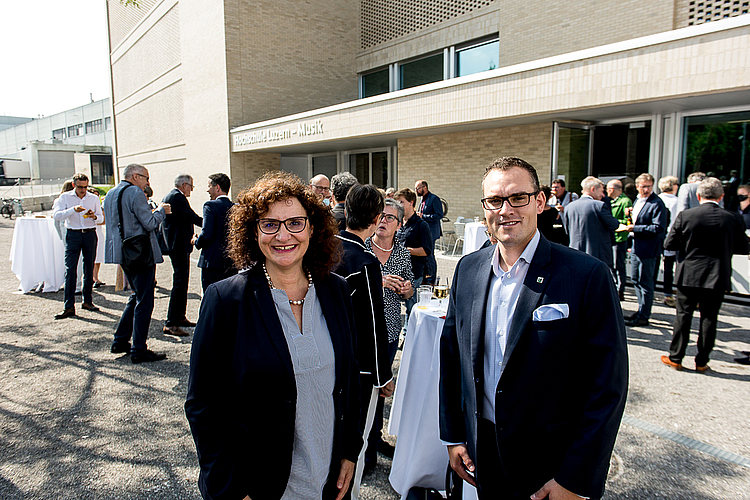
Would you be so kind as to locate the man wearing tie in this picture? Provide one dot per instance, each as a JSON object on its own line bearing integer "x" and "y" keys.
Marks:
{"x": 533, "y": 371}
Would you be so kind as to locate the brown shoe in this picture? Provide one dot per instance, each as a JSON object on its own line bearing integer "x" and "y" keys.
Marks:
{"x": 67, "y": 313}
{"x": 185, "y": 322}
{"x": 665, "y": 359}
{"x": 89, "y": 307}
{"x": 702, "y": 369}
{"x": 175, "y": 330}
{"x": 670, "y": 301}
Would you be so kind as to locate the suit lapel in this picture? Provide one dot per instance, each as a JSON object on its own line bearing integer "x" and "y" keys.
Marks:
{"x": 481, "y": 283}
{"x": 322, "y": 290}
{"x": 262, "y": 294}
{"x": 537, "y": 279}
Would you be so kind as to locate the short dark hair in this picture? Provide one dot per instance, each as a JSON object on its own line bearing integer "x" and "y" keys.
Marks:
{"x": 424, "y": 184}
{"x": 221, "y": 180}
{"x": 364, "y": 203}
{"x": 406, "y": 194}
{"x": 559, "y": 181}
{"x": 80, "y": 176}
{"x": 341, "y": 184}
{"x": 508, "y": 162}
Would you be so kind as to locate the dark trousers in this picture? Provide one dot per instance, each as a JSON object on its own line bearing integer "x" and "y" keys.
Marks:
{"x": 180, "y": 279}
{"x": 211, "y": 275}
{"x": 688, "y": 299}
{"x": 643, "y": 279}
{"x": 430, "y": 268}
{"x": 136, "y": 317}
{"x": 669, "y": 274}
{"x": 79, "y": 243}
{"x": 490, "y": 474}
{"x": 376, "y": 433}
{"x": 621, "y": 272}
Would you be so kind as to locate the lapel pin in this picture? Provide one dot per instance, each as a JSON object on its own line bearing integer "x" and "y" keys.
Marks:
{"x": 540, "y": 279}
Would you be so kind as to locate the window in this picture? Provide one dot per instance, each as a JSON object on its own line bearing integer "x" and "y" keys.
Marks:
{"x": 421, "y": 71}
{"x": 108, "y": 123}
{"x": 94, "y": 126}
{"x": 478, "y": 57}
{"x": 59, "y": 134}
{"x": 375, "y": 83}
{"x": 717, "y": 144}
{"x": 75, "y": 130}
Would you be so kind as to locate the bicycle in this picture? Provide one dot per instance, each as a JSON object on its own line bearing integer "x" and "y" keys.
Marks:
{"x": 8, "y": 210}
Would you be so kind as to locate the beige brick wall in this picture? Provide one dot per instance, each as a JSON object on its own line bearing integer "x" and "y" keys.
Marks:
{"x": 532, "y": 29}
{"x": 247, "y": 167}
{"x": 453, "y": 164}
{"x": 124, "y": 18}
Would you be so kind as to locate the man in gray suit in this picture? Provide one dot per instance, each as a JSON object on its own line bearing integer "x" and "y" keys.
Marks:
{"x": 687, "y": 195}
{"x": 137, "y": 219}
{"x": 589, "y": 222}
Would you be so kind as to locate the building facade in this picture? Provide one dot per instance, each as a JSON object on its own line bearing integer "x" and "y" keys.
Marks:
{"x": 399, "y": 90}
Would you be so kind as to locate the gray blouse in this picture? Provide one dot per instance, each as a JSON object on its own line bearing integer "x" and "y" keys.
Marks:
{"x": 314, "y": 371}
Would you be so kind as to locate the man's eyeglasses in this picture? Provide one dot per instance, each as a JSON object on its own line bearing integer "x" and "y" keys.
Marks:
{"x": 321, "y": 188}
{"x": 292, "y": 224}
{"x": 389, "y": 217}
{"x": 144, "y": 176}
{"x": 517, "y": 200}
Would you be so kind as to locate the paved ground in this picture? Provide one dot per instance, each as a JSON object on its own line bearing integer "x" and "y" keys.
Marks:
{"x": 79, "y": 422}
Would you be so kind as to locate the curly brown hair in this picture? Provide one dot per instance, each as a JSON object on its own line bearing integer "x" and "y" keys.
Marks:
{"x": 324, "y": 250}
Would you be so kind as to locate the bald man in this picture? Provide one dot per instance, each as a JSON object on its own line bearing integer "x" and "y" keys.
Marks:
{"x": 321, "y": 186}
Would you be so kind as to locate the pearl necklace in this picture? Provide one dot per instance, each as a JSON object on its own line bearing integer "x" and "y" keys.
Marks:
{"x": 372, "y": 240}
{"x": 293, "y": 302}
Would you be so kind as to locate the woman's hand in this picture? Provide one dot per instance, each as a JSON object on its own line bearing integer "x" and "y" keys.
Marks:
{"x": 345, "y": 477}
{"x": 393, "y": 282}
{"x": 407, "y": 290}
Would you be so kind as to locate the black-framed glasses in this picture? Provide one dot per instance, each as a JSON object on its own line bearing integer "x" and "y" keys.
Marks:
{"x": 292, "y": 224}
{"x": 389, "y": 217}
{"x": 322, "y": 188}
{"x": 144, "y": 176}
{"x": 517, "y": 200}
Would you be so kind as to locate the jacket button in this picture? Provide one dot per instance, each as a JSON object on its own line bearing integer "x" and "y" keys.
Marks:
{"x": 476, "y": 380}
{"x": 477, "y": 414}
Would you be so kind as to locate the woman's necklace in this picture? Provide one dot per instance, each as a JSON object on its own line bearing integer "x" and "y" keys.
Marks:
{"x": 372, "y": 240}
{"x": 293, "y": 302}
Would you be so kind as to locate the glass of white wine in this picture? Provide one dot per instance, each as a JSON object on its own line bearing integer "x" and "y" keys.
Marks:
{"x": 440, "y": 290}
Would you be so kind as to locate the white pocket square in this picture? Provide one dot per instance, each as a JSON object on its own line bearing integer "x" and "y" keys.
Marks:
{"x": 551, "y": 312}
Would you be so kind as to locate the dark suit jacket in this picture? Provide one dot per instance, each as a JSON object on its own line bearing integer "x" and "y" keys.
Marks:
{"x": 590, "y": 225}
{"x": 212, "y": 242}
{"x": 562, "y": 391}
{"x": 432, "y": 213}
{"x": 650, "y": 228}
{"x": 179, "y": 224}
{"x": 242, "y": 393}
{"x": 338, "y": 214}
{"x": 705, "y": 237}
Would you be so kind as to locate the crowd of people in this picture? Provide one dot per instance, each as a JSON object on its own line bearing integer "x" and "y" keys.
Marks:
{"x": 300, "y": 321}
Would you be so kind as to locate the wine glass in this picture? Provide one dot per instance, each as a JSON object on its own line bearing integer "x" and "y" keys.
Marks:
{"x": 441, "y": 290}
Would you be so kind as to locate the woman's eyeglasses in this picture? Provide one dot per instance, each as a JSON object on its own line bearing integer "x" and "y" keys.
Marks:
{"x": 389, "y": 217}
{"x": 292, "y": 224}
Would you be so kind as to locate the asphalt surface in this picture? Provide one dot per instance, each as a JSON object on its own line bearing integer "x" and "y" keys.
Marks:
{"x": 79, "y": 422}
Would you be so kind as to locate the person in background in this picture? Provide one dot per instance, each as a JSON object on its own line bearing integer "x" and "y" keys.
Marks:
{"x": 547, "y": 220}
{"x": 395, "y": 264}
{"x": 687, "y": 194}
{"x": 340, "y": 185}
{"x": 668, "y": 186}
{"x": 621, "y": 205}
{"x": 214, "y": 262}
{"x": 390, "y": 192}
{"x": 60, "y": 228}
{"x": 431, "y": 211}
{"x": 99, "y": 243}
{"x": 321, "y": 186}
{"x": 273, "y": 391}
{"x": 149, "y": 193}
{"x": 743, "y": 203}
{"x": 80, "y": 210}
{"x": 179, "y": 229}
{"x": 561, "y": 198}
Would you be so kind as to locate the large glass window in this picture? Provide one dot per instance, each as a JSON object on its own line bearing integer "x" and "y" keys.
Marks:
{"x": 477, "y": 57}
{"x": 717, "y": 145}
{"x": 370, "y": 168}
{"x": 375, "y": 83}
{"x": 59, "y": 134}
{"x": 421, "y": 71}
{"x": 75, "y": 130}
{"x": 94, "y": 126}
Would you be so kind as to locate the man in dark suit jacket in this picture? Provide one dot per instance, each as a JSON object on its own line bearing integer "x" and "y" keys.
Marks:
{"x": 589, "y": 222}
{"x": 212, "y": 242}
{"x": 534, "y": 370}
{"x": 431, "y": 211}
{"x": 179, "y": 234}
{"x": 704, "y": 237}
{"x": 340, "y": 185}
{"x": 651, "y": 219}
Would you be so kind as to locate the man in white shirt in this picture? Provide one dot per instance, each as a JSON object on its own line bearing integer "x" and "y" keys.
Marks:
{"x": 80, "y": 210}
{"x": 668, "y": 186}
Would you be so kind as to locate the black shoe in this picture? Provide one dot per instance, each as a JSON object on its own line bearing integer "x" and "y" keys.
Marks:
{"x": 120, "y": 347}
{"x": 147, "y": 356}
{"x": 743, "y": 361}
{"x": 386, "y": 449}
{"x": 67, "y": 313}
{"x": 631, "y": 316}
{"x": 636, "y": 322}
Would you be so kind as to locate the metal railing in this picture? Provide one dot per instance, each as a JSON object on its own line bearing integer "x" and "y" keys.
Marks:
{"x": 30, "y": 188}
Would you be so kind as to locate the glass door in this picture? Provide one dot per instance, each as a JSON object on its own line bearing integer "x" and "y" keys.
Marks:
{"x": 370, "y": 167}
{"x": 571, "y": 161}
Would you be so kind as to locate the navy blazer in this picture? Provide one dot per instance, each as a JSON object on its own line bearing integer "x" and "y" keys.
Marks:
{"x": 432, "y": 213}
{"x": 563, "y": 386}
{"x": 590, "y": 225}
{"x": 241, "y": 398}
{"x": 179, "y": 224}
{"x": 650, "y": 228}
{"x": 705, "y": 237}
{"x": 212, "y": 242}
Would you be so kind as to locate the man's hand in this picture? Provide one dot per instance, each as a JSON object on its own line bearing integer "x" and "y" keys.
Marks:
{"x": 90, "y": 214}
{"x": 629, "y": 228}
{"x": 345, "y": 477}
{"x": 554, "y": 491}
{"x": 194, "y": 239}
{"x": 387, "y": 390}
{"x": 460, "y": 462}
{"x": 167, "y": 208}
{"x": 78, "y": 208}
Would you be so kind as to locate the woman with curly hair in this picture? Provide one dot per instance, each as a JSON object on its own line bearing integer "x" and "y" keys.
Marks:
{"x": 273, "y": 393}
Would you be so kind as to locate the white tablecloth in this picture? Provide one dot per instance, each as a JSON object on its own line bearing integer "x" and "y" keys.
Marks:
{"x": 37, "y": 254}
{"x": 420, "y": 459}
{"x": 474, "y": 237}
